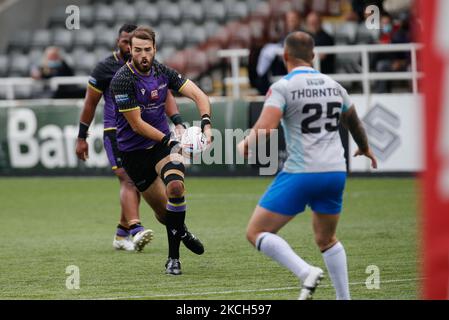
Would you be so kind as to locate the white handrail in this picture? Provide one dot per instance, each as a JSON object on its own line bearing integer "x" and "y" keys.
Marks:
{"x": 236, "y": 80}
{"x": 54, "y": 83}
{"x": 365, "y": 76}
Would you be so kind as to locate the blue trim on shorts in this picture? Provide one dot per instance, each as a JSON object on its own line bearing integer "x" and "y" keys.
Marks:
{"x": 290, "y": 193}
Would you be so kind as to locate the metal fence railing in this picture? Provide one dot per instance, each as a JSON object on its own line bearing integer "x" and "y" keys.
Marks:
{"x": 235, "y": 80}
{"x": 365, "y": 76}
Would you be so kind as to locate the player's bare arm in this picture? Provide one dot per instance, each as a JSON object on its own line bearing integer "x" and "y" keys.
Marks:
{"x": 87, "y": 114}
{"x": 268, "y": 121}
{"x": 351, "y": 121}
{"x": 172, "y": 111}
{"x": 141, "y": 127}
{"x": 192, "y": 91}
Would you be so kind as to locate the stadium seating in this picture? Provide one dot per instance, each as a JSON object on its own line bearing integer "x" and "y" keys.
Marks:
{"x": 181, "y": 26}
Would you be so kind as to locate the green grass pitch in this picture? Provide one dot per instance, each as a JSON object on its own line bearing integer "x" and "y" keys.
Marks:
{"x": 48, "y": 224}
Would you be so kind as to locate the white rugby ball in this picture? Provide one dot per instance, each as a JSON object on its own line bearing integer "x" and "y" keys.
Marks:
{"x": 193, "y": 141}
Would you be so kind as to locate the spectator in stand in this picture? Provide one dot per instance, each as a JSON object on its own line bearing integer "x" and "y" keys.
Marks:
{"x": 314, "y": 26}
{"x": 269, "y": 63}
{"x": 391, "y": 61}
{"x": 53, "y": 65}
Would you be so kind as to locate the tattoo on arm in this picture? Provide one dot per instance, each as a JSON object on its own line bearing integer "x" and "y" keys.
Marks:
{"x": 351, "y": 121}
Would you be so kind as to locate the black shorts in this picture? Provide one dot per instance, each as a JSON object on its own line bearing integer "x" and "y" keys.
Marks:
{"x": 140, "y": 165}
{"x": 110, "y": 146}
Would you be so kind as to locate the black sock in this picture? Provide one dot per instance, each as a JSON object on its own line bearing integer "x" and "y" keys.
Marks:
{"x": 176, "y": 213}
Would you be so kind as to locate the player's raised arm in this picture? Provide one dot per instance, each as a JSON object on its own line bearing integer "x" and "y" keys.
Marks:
{"x": 192, "y": 91}
{"x": 351, "y": 121}
{"x": 172, "y": 111}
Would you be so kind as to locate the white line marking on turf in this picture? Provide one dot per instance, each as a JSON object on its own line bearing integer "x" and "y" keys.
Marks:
{"x": 211, "y": 293}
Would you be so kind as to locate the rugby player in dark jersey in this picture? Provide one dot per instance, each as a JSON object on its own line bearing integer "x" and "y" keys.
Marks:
{"x": 149, "y": 154}
{"x": 130, "y": 234}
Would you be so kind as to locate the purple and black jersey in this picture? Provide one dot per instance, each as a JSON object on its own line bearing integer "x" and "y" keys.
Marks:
{"x": 100, "y": 80}
{"x": 132, "y": 91}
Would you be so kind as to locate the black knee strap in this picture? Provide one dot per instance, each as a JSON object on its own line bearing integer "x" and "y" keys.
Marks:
{"x": 172, "y": 171}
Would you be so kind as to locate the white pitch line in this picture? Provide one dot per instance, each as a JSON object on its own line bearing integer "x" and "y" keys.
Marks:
{"x": 211, "y": 293}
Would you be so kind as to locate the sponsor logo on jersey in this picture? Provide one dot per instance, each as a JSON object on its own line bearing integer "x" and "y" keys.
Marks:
{"x": 121, "y": 97}
{"x": 154, "y": 95}
{"x": 92, "y": 80}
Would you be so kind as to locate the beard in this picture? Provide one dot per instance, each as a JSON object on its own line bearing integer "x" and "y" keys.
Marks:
{"x": 144, "y": 65}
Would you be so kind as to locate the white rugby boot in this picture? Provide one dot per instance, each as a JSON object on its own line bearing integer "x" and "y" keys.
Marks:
{"x": 120, "y": 243}
{"x": 142, "y": 238}
{"x": 310, "y": 283}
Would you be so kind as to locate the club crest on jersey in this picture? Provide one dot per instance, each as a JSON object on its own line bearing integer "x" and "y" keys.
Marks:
{"x": 142, "y": 91}
{"x": 154, "y": 95}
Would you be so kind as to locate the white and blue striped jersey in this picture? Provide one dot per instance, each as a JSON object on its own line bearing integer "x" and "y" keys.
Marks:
{"x": 311, "y": 103}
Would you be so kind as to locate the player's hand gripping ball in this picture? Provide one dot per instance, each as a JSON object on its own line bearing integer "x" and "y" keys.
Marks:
{"x": 193, "y": 141}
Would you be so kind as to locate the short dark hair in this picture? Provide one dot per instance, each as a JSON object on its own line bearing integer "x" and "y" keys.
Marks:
{"x": 299, "y": 45}
{"x": 144, "y": 33}
{"x": 127, "y": 28}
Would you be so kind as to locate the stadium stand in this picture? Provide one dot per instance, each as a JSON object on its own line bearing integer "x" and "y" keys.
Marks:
{"x": 184, "y": 29}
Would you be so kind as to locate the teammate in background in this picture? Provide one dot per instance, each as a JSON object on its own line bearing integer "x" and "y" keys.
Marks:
{"x": 310, "y": 105}
{"x": 129, "y": 225}
{"x": 149, "y": 153}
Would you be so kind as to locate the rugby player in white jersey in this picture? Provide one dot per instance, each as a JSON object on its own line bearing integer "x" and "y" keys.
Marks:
{"x": 310, "y": 106}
